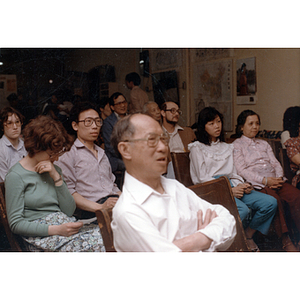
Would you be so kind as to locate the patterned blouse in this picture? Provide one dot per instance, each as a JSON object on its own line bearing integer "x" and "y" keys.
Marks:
{"x": 292, "y": 148}
{"x": 254, "y": 159}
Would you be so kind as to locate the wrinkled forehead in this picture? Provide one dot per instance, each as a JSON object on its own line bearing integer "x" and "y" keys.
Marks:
{"x": 152, "y": 105}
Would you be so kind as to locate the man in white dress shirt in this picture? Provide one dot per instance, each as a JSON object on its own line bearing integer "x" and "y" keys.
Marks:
{"x": 155, "y": 213}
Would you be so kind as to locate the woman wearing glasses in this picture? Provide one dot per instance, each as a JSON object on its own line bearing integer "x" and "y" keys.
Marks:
{"x": 11, "y": 145}
{"x": 211, "y": 157}
{"x": 256, "y": 162}
{"x": 38, "y": 202}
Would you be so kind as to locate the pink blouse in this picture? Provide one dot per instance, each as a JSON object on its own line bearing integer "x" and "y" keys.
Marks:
{"x": 254, "y": 159}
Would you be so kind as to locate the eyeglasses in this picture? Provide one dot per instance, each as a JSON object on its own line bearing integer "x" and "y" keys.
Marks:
{"x": 119, "y": 103}
{"x": 152, "y": 139}
{"x": 10, "y": 124}
{"x": 60, "y": 153}
{"x": 174, "y": 111}
{"x": 89, "y": 121}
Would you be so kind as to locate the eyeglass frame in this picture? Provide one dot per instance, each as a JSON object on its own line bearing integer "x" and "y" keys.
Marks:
{"x": 60, "y": 153}
{"x": 174, "y": 111}
{"x": 122, "y": 102}
{"x": 157, "y": 139}
{"x": 93, "y": 121}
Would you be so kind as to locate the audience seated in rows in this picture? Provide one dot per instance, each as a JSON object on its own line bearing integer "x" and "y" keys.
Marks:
{"x": 155, "y": 213}
{"x": 255, "y": 162}
{"x": 11, "y": 145}
{"x": 211, "y": 157}
{"x": 85, "y": 167}
{"x": 38, "y": 202}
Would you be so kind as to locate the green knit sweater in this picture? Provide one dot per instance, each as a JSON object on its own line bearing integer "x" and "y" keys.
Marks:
{"x": 30, "y": 196}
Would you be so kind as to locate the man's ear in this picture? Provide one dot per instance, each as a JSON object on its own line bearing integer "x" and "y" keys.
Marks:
{"x": 75, "y": 125}
{"x": 124, "y": 149}
{"x": 163, "y": 113}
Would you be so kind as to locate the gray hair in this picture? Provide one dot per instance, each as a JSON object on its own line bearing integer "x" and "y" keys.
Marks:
{"x": 122, "y": 130}
{"x": 145, "y": 107}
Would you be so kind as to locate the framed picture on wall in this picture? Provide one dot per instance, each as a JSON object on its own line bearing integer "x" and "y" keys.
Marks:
{"x": 246, "y": 76}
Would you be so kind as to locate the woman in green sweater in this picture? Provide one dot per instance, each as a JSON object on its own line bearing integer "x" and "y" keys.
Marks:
{"x": 38, "y": 202}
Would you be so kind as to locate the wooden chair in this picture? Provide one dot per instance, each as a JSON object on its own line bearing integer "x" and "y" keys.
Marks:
{"x": 14, "y": 240}
{"x": 181, "y": 165}
{"x": 219, "y": 191}
{"x": 285, "y": 162}
{"x": 104, "y": 218}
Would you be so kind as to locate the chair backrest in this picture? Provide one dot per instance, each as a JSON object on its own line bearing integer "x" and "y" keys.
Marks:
{"x": 181, "y": 166}
{"x": 104, "y": 218}
{"x": 219, "y": 191}
{"x": 285, "y": 163}
{"x": 14, "y": 240}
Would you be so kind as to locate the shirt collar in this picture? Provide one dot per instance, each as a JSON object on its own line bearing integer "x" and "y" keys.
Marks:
{"x": 177, "y": 127}
{"x": 8, "y": 143}
{"x": 249, "y": 141}
{"x": 141, "y": 191}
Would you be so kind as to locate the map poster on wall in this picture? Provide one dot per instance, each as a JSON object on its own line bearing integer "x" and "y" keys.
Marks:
{"x": 212, "y": 86}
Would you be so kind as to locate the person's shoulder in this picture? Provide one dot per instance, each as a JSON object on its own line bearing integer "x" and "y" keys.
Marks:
{"x": 112, "y": 118}
{"x": 292, "y": 142}
{"x": 16, "y": 171}
{"x": 195, "y": 145}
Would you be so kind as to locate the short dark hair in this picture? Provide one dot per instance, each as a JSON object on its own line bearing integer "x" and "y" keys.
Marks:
{"x": 43, "y": 133}
{"x": 122, "y": 130}
{"x": 206, "y": 115}
{"x": 291, "y": 120}
{"x": 113, "y": 97}
{"x": 5, "y": 113}
{"x": 241, "y": 120}
{"x": 164, "y": 105}
{"x": 80, "y": 107}
{"x": 134, "y": 77}
{"x": 103, "y": 102}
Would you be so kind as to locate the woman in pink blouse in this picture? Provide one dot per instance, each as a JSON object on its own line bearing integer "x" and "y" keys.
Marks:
{"x": 256, "y": 163}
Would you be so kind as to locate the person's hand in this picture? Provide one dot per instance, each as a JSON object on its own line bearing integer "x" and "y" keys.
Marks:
{"x": 110, "y": 202}
{"x": 238, "y": 191}
{"x": 66, "y": 229}
{"x": 47, "y": 166}
{"x": 274, "y": 182}
{"x": 248, "y": 188}
{"x": 209, "y": 216}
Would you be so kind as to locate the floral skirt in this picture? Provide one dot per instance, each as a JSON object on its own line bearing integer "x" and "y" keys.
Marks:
{"x": 88, "y": 238}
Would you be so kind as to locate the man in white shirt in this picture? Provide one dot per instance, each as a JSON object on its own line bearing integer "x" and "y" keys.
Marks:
{"x": 155, "y": 213}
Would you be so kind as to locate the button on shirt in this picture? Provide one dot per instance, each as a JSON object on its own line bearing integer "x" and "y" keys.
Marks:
{"x": 9, "y": 155}
{"x": 87, "y": 175}
{"x": 145, "y": 220}
{"x": 175, "y": 143}
{"x": 254, "y": 159}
